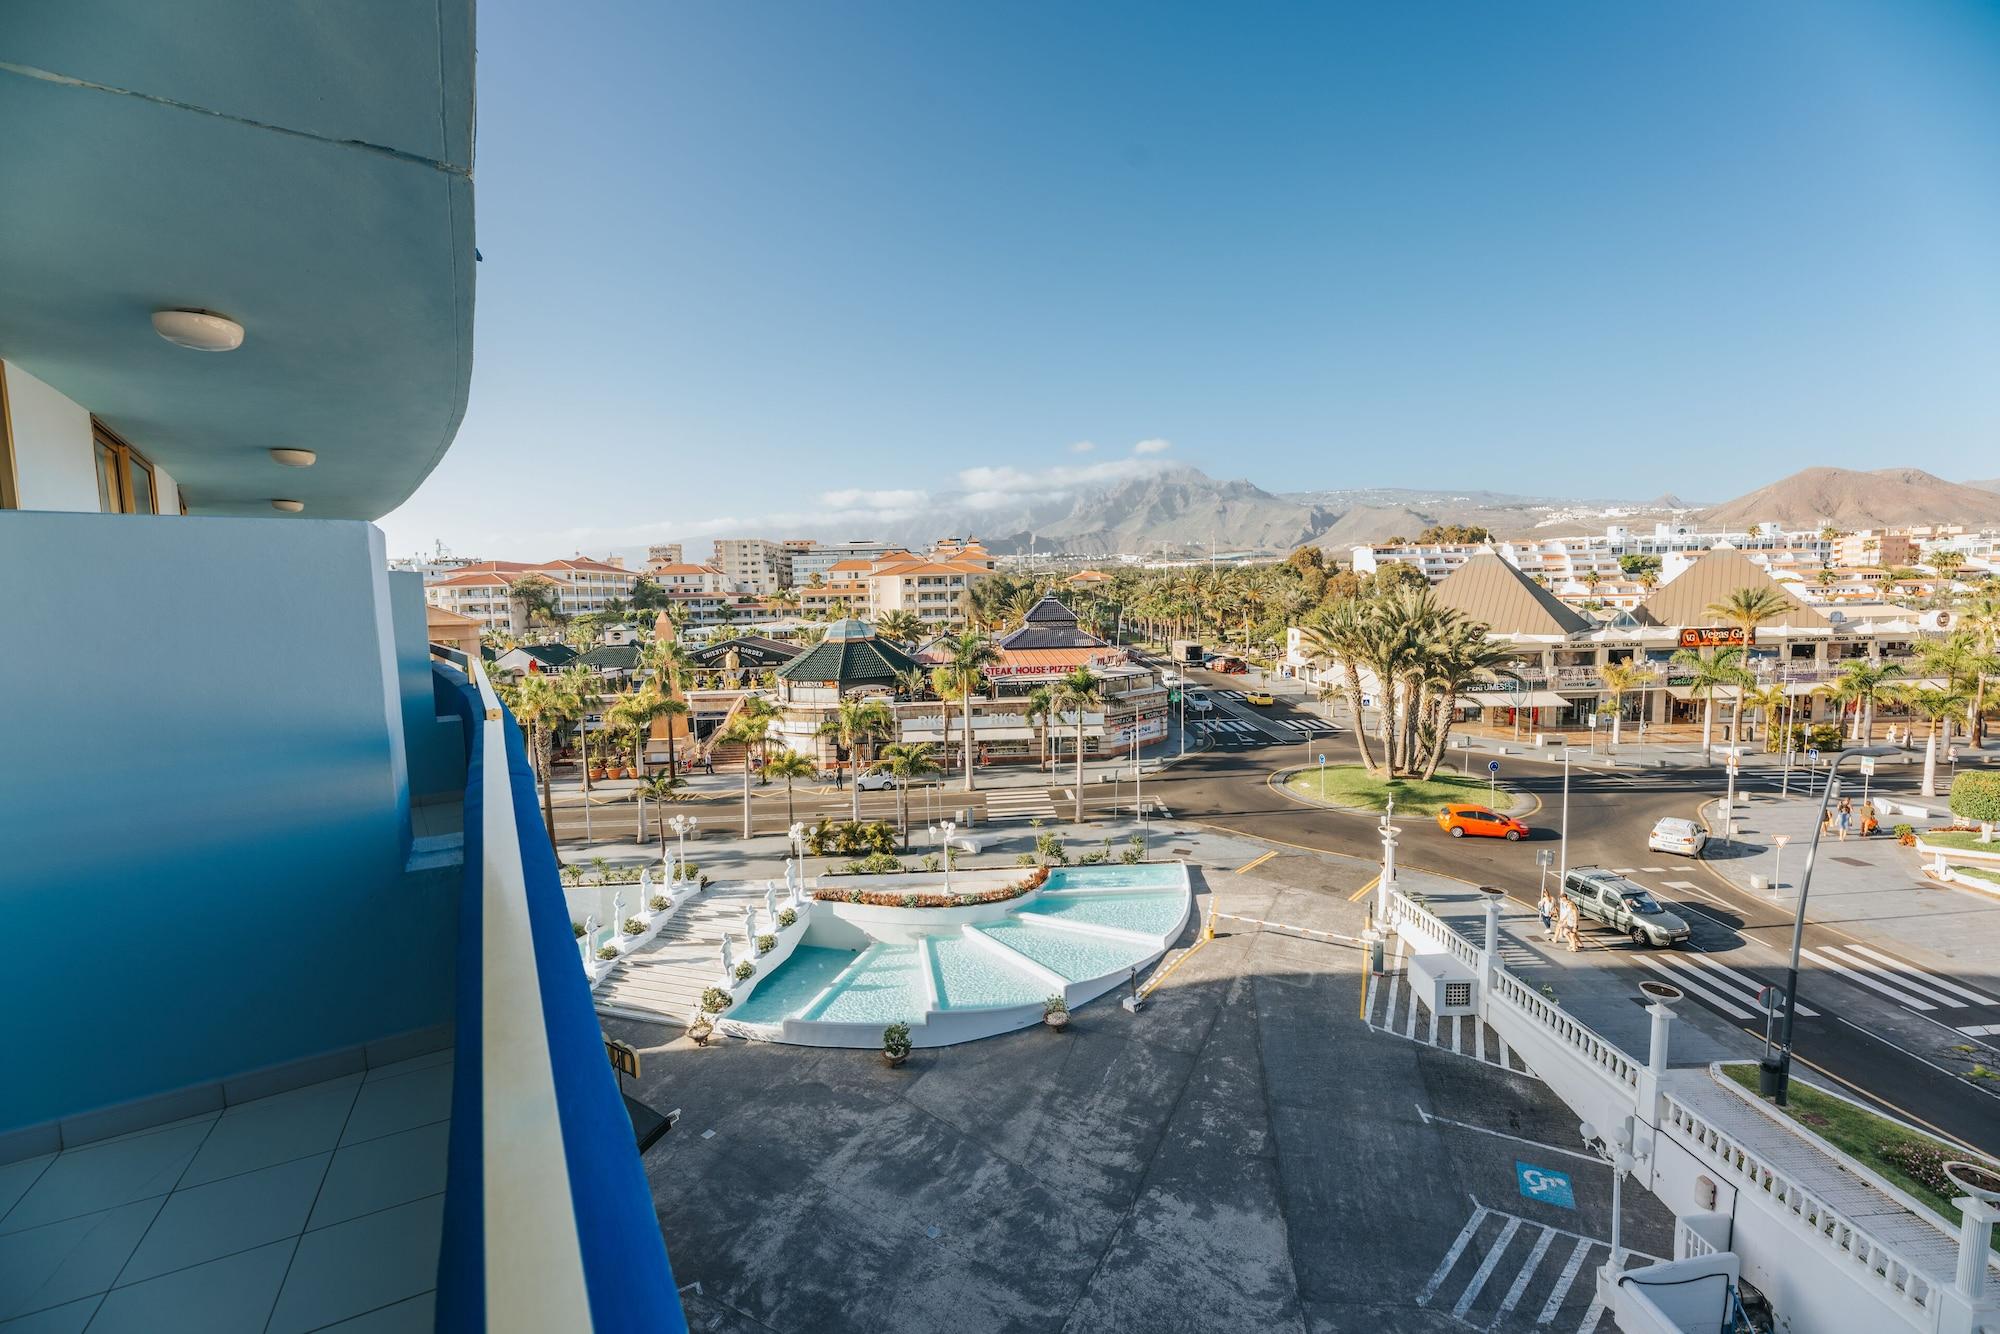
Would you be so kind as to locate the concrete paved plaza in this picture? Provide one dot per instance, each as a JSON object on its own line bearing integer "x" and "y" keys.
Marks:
{"x": 1243, "y": 1154}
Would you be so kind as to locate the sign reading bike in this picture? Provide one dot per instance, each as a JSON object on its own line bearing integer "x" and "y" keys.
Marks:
{"x": 1717, "y": 636}
{"x": 1545, "y": 1184}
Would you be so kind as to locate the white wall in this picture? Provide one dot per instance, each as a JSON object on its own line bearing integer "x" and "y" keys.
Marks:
{"x": 52, "y": 450}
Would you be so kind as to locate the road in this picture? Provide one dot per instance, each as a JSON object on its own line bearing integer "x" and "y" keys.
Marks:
{"x": 1882, "y": 1024}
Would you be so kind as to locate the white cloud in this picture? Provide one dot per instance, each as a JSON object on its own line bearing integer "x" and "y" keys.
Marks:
{"x": 1152, "y": 446}
{"x": 856, "y": 499}
{"x": 1083, "y": 447}
{"x": 993, "y": 488}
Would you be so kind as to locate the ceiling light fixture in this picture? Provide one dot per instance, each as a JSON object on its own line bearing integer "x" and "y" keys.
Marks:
{"x": 288, "y": 506}
{"x": 295, "y": 458}
{"x": 202, "y": 330}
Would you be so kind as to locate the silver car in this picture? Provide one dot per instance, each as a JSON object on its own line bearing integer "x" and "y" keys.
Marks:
{"x": 1681, "y": 836}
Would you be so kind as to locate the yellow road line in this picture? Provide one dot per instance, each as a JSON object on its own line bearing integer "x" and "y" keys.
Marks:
{"x": 1366, "y": 889}
{"x": 1256, "y": 861}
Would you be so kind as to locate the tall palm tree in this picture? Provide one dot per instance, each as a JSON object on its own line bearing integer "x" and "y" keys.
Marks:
{"x": 1936, "y": 705}
{"x": 1041, "y": 706}
{"x": 789, "y": 765}
{"x": 963, "y": 673}
{"x": 1708, "y": 675}
{"x": 912, "y": 682}
{"x": 638, "y": 710}
{"x": 1341, "y": 636}
{"x": 750, "y": 729}
{"x": 1461, "y": 657}
{"x": 1861, "y": 683}
{"x": 1077, "y": 693}
{"x": 1746, "y": 609}
{"x": 661, "y": 789}
{"x": 669, "y": 664}
{"x": 542, "y": 707}
{"x": 906, "y": 762}
{"x": 1621, "y": 679}
{"x": 1770, "y": 702}
{"x": 854, "y": 723}
{"x": 1979, "y": 619}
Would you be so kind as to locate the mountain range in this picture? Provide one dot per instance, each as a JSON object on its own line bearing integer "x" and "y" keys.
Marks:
{"x": 1183, "y": 510}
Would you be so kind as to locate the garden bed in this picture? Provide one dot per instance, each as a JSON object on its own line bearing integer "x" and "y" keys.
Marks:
{"x": 1352, "y": 787}
{"x": 902, "y": 898}
{"x": 1908, "y": 1159}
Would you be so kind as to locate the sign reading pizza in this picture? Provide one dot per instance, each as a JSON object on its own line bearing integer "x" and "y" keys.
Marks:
{"x": 1717, "y": 636}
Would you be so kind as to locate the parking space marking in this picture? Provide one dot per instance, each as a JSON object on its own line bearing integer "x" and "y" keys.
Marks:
{"x": 1465, "y": 1235}
{"x": 1534, "y": 1262}
{"x": 1487, "y": 1265}
{"x": 1561, "y": 1289}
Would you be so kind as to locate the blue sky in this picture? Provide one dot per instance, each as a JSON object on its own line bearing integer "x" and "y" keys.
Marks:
{"x": 747, "y": 263}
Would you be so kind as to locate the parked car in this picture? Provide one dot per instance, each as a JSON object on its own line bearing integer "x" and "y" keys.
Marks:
{"x": 1623, "y": 906}
{"x": 1460, "y": 819}
{"x": 884, "y": 781}
{"x": 1682, "y": 836}
{"x": 1261, "y": 698}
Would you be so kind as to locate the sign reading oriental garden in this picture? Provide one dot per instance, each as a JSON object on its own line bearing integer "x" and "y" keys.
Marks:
{"x": 1717, "y": 636}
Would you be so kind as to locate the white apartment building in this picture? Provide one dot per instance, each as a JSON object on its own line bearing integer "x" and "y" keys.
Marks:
{"x": 681, "y": 577}
{"x": 754, "y": 565}
{"x": 819, "y": 558}
{"x": 479, "y": 590}
{"x": 932, "y": 589}
{"x": 665, "y": 553}
{"x": 1570, "y": 562}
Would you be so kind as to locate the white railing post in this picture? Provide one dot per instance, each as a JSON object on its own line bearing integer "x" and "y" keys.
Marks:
{"x": 1386, "y": 886}
{"x": 1975, "y": 1241}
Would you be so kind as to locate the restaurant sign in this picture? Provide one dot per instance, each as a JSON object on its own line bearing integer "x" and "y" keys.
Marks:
{"x": 1717, "y": 636}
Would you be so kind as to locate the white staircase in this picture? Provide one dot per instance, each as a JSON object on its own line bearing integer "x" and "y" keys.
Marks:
{"x": 663, "y": 979}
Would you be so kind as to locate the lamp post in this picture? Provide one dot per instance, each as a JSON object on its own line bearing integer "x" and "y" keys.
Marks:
{"x": 948, "y": 827}
{"x": 1386, "y": 884}
{"x": 1617, "y": 1151}
{"x": 1562, "y": 869}
{"x": 680, "y": 824}
{"x": 1774, "y": 1077}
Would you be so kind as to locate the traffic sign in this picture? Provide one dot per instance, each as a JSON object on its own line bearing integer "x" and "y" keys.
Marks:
{"x": 1545, "y": 1184}
{"x": 1812, "y": 752}
{"x": 1771, "y": 999}
{"x": 1322, "y": 759}
{"x": 1867, "y": 765}
{"x": 1545, "y": 858}
{"x": 1492, "y": 766}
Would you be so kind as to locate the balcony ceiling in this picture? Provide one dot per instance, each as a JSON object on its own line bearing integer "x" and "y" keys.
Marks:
{"x": 304, "y": 170}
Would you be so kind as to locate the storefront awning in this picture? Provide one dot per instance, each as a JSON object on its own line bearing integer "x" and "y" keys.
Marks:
{"x": 1492, "y": 699}
{"x": 1722, "y": 694}
{"x": 1541, "y": 699}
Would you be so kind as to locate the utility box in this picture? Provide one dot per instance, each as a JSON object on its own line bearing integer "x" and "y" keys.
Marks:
{"x": 1443, "y": 983}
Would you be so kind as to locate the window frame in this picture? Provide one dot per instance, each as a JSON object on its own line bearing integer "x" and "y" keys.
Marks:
{"x": 10, "y": 482}
{"x": 123, "y": 459}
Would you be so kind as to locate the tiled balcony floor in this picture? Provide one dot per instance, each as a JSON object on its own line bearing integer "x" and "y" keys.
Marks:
{"x": 315, "y": 1209}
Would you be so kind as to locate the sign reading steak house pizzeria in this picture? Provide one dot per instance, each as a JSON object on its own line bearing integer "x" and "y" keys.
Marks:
{"x": 1717, "y": 636}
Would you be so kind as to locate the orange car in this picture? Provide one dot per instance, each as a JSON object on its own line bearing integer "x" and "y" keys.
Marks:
{"x": 1458, "y": 820}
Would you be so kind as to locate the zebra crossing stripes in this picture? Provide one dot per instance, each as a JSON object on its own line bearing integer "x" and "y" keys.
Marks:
{"x": 1395, "y": 1009}
{"x": 1902, "y": 982}
{"x": 1714, "y": 983}
{"x": 1019, "y": 803}
{"x": 1228, "y": 694}
{"x": 1506, "y": 1272}
{"x": 1306, "y": 726}
{"x": 1933, "y": 979}
{"x": 1214, "y": 726}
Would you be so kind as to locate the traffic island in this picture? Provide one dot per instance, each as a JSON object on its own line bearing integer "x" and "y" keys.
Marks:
{"x": 1350, "y": 787}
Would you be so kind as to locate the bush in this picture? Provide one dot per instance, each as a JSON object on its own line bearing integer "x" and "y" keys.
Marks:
{"x": 847, "y": 838}
{"x": 1976, "y": 796}
{"x": 1049, "y": 848}
{"x": 883, "y": 898}
{"x": 766, "y": 943}
{"x": 1025, "y": 859}
{"x": 875, "y": 863}
{"x": 1823, "y": 737}
{"x": 909, "y": 901}
{"x": 661, "y": 903}
{"x": 744, "y": 971}
{"x": 1924, "y": 1162}
{"x": 1055, "y": 1005}
{"x": 607, "y": 951}
{"x": 896, "y": 1039}
{"x": 1097, "y": 858}
{"x": 577, "y": 927}
{"x": 1131, "y": 856}
{"x": 634, "y": 927}
{"x": 715, "y": 1000}
{"x": 690, "y": 870}
{"x": 930, "y": 862}
{"x": 787, "y": 917}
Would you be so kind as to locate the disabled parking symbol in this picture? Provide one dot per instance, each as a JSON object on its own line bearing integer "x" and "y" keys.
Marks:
{"x": 1539, "y": 1183}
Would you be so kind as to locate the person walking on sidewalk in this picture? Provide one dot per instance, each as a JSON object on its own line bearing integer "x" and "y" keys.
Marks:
{"x": 1566, "y": 925}
{"x": 1843, "y": 819}
{"x": 1546, "y": 907}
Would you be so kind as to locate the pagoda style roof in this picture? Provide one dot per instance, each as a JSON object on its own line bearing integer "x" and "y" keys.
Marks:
{"x": 850, "y": 655}
{"x": 1686, "y": 598}
{"x": 1488, "y": 589}
{"x": 1049, "y": 624}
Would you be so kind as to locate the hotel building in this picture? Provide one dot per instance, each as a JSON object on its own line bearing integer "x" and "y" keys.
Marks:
{"x": 480, "y": 590}
{"x": 273, "y": 916}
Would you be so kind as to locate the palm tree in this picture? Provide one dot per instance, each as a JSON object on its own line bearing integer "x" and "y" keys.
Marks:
{"x": 750, "y": 729}
{"x": 1947, "y": 562}
{"x": 904, "y": 627}
{"x": 1770, "y": 702}
{"x": 1041, "y": 706}
{"x": 1461, "y": 657}
{"x": 1341, "y": 635}
{"x": 789, "y": 765}
{"x": 1861, "y": 682}
{"x": 1746, "y": 609}
{"x": 912, "y": 682}
{"x": 854, "y": 723}
{"x": 1936, "y": 705}
{"x": 1707, "y": 675}
{"x": 967, "y": 655}
{"x": 1076, "y": 693}
{"x": 1979, "y": 619}
{"x": 906, "y": 762}
{"x": 542, "y": 707}
{"x": 1620, "y": 679}
{"x": 537, "y": 596}
{"x": 637, "y": 711}
{"x": 661, "y": 789}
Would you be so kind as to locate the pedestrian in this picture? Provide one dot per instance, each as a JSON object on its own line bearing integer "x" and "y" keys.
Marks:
{"x": 1546, "y": 906}
{"x": 1566, "y": 924}
{"x": 1843, "y": 819}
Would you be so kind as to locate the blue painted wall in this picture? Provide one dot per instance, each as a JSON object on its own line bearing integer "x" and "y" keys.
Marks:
{"x": 203, "y": 808}
{"x": 436, "y": 747}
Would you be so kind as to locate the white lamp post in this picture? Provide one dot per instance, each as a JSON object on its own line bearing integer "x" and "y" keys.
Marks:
{"x": 1562, "y": 868}
{"x": 1387, "y": 883}
{"x": 948, "y": 827}
{"x": 681, "y": 824}
{"x": 1617, "y": 1151}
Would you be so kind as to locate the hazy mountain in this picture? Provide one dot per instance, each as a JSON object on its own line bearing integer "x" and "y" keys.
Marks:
{"x": 1848, "y": 498}
{"x": 1986, "y": 484}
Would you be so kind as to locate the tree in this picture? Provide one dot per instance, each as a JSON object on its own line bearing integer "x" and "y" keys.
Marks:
{"x": 750, "y": 728}
{"x": 1620, "y": 679}
{"x": 1639, "y": 563}
{"x": 1746, "y": 609}
{"x": 961, "y": 676}
{"x": 905, "y": 627}
{"x": 1706, "y": 676}
{"x": 906, "y": 762}
{"x": 1041, "y": 707}
{"x": 638, "y": 710}
{"x": 789, "y": 765}
{"x": 542, "y": 706}
{"x": 1860, "y": 683}
{"x": 1976, "y": 796}
{"x": 1936, "y": 705}
{"x": 1947, "y": 562}
{"x": 1077, "y": 693}
{"x": 538, "y": 598}
{"x": 1979, "y": 621}
{"x": 854, "y": 723}
{"x": 1453, "y": 534}
{"x": 661, "y": 789}
{"x": 1343, "y": 635}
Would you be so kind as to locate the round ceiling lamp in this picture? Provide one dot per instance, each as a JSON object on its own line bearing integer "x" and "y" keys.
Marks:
{"x": 202, "y": 330}
{"x": 288, "y": 506}
{"x": 295, "y": 458}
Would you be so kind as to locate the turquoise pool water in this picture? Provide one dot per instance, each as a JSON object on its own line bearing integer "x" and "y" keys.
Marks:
{"x": 1070, "y": 953}
{"x": 1159, "y": 875}
{"x": 971, "y": 977}
{"x": 798, "y": 979}
{"x": 1154, "y": 914}
{"x": 886, "y": 989}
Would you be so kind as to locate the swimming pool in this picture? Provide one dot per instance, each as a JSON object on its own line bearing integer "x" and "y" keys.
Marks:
{"x": 1150, "y": 913}
{"x": 1144, "y": 875}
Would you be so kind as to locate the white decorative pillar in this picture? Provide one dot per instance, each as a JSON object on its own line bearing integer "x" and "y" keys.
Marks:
{"x": 1658, "y": 1040}
{"x": 1489, "y": 948}
{"x": 1386, "y": 886}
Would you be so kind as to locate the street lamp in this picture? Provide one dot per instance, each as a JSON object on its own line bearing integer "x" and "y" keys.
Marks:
{"x": 681, "y": 824}
{"x": 1774, "y": 1077}
{"x": 949, "y": 827}
{"x": 1562, "y": 869}
{"x": 1617, "y": 1151}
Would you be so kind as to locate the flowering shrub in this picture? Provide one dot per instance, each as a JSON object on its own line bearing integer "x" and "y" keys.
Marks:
{"x": 887, "y": 898}
{"x": 766, "y": 943}
{"x": 661, "y": 903}
{"x": 1923, "y": 1162}
{"x": 634, "y": 927}
{"x": 745, "y": 970}
{"x": 787, "y": 916}
{"x": 715, "y": 1000}
{"x": 607, "y": 952}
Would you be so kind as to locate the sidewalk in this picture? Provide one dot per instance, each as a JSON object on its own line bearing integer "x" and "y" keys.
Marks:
{"x": 1865, "y": 885}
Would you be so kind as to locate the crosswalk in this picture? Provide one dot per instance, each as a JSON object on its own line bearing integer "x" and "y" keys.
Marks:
{"x": 1020, "y": 803}
{"x": 1245, "y": 727}
{"x": 1713, "y": 982}
{"x": 1394, "y": 1008}
{"x": 1507, "y": 1273}
{"x": 1902, "y": 982}
{"x": 1226, "y": 727}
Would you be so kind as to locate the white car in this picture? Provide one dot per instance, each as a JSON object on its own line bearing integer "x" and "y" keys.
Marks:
{"x": 881, "y": 782}
{"x": 1199, "y": 703}
{"x": 1170, "y": 678}
{"x": 1682, "y": 836}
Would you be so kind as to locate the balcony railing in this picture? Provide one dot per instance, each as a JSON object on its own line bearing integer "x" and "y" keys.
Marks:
{"x": 548, "y": 1220}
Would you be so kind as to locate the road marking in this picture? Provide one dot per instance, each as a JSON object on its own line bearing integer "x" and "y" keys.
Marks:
{"x": 1839, "y": 965}
{"x": 1522, "y": 1279}
{"x": 1429, "y": 1118}
{"x": 1679, "y": 884}
{"x": 1654, "y": 870}
{"x": 1451, "y": 1256}
{"x": 1256, "y": 861}
{"x": 1623, "y": 870}
{"x": 1848, "y": 954}
{"x": 1561, "y": 1289}
{"x": 1698, "y": 987}
{"x": 1980, "y": 1030}
{"x": 1934, "y": 979}
{"x": 1366, "y": 889}
{"x": 1750, "y": 984}
{"x": 1486, "y": 1268}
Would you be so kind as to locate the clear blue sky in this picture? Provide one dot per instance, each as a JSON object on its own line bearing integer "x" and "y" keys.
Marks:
{"x": 740, "y": 256}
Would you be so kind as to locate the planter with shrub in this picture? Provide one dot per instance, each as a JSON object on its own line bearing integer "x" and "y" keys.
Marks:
{"x": 715, "y": 1000}
{"x": 634, "y": 927}
{"x": 787, "y": 917}
{"x": 607, "y": 952}
{"x": 896, "y": 1044}
{"x": 744, "y": 971}
{"x": 766, "y": 943}
{"x": 1055, "y": 1012}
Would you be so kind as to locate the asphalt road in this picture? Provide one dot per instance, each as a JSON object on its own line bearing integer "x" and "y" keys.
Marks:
{"x": 1860, "y": 1036}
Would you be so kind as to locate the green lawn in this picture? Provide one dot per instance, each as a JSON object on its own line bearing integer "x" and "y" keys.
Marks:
{"x": 1986, "y": 873}
{"x": 1869, "y": 1138}
{"x": 1964, "y": 839}
{"x": 1350, "y": 785}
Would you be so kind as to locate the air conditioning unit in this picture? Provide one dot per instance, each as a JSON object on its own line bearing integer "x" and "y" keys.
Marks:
{"x": 1443, "y": 983}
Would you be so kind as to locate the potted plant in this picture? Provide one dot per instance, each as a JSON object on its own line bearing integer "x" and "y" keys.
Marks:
{"x": 744, "y": 971}
{"x": 1055, "y": 1012}
{"x": 607, "y": 952}
{"x": 701, "y": 1030}
{"x": 896, "y": 1044}
{"x": 714, "y": 1000}
{"x": 634, "y": 927}
{"x": 766, "y": 943}
{"x": 786, "y": 917}
{"x": 661, "y": 903}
